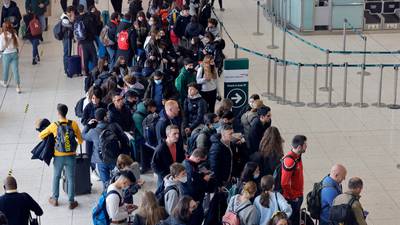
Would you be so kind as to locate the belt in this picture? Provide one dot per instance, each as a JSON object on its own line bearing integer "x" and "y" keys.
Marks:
{"x": 119, "y": 222}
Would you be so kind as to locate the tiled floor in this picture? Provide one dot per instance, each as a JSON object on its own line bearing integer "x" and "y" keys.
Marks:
{"x": 364, "y": 140}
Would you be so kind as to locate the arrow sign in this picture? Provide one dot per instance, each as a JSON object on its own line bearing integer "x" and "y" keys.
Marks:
{"x": 236, "y": 98}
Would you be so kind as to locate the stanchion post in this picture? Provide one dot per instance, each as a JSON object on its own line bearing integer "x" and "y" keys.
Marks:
{"x": 283, "y": 101}
{"x": 268, "y": 93}
{"x": 298, "y": 103}
{"x": 274, "y": 97}
{"x": 258, "y": 33}
{"x": 345, "y": 103}
{"x": 273, "y": 23}
{"x": 396, "y": 78}
{"x": 221, "y": 24}
{"x": 314, "y": 103}
{"x": 329, "y": 104}
{"x": 379, "y": 102}
{"x": 363, "y": 71}
{"x": 235, "y": 46}
{"x": 325, "y": 87}
{"x": 362, "y": 104}
{"x": 344, "y": 34}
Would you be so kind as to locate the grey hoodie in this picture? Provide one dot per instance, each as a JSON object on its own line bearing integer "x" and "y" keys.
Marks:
{"x": 249, "y": 215}
{"x": 171, "y": 198}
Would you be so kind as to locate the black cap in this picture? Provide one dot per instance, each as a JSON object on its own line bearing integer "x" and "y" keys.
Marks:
{"x": 132, "y": 93}
{"x": 100, "y": 113}
{"x": 263, "y": 110}
{"x": 228, "y": 115}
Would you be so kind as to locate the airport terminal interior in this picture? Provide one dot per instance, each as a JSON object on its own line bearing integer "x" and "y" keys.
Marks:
{"x": 363, "y": 139}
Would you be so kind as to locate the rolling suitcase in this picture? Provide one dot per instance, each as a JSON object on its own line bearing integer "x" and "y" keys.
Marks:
{"x": 82, "y": 175}
{"x": 305, "y": 218}
{"x": 74, "y": 65}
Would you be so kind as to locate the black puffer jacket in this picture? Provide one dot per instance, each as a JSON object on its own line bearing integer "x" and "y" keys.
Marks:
{"x": 193, "y": 30}
{"x": 11, "y": 14}
{"x": 123, "y": 118}
{"x": 45, "y": 149}
{"x": 221, "y": 160}
{"x": 194, "y": 109}
{"x": 162, "y": 158}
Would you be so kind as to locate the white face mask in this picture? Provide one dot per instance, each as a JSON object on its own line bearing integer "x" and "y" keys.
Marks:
{"x": 183, "y": 179}
{"x": 6, "y": 4}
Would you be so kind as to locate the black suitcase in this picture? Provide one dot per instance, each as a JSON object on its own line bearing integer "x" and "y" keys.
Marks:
{"x": 82, "y": 175}
{"x": 74, "y": 66}
{"x": 305, "y": 218}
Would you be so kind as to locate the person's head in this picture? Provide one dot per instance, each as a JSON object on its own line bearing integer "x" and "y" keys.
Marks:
{"x": 178, "y": 172}
{"x": 195, "y": 41}
{"x": 299, "y": 144}
{"x": 120, "y": 61}
{"x": 209, "y": 37}
{"x": 198, "y": 156}
{"x": 141, "y": 16}
{"x": 185, "y": 10}
{"x": 338, "y": 173}
{"x": 6, "y": 3}
{"x": 158, "y": 77}
{"x": 208, "y": 65}
{"x": 172, "y": 132}
{"x": 150, "y": 105}
{"x": 153, "y": 20}
{"x": 264, "y": 113}
{"x": 184, "y": 209}
{"x": 131, "y": 97}
{"x": 271, "y": 143}
{"x": 256, "y": 104}
{"x": 355, "y": 185}
{"x": 279, "y": 218}
{"x": 125, "y": 179}
{"x": 149, "y": 208}
{"x": 193, "y": 19}
{"x": 226, "y": 133}
{"x": 210, "y": 119}
{"x": 171, "y": 108}
{"x": 228, "y": 117}
{"x": 118, "y": 101}
{"x": 96, "y": 95}
{"x": 62, "y": 111}
{"x": 249, "y": 189}
{"x": 226, "y": 104}
{"x": 250, "y": 172}
{"x": 211, "y": 23}
{"x": 188, "y": 63}
{"x": 124, "y": 161}
{"x": 193, "y": 89}
{"x": 252, "y": 98}
{"x": 266, "y": 185}
{"x": 154, "y": 34}
{"x": 10, "y": 183}
{"x": 128, "y": 17}
{"x": 100, "y": 114}
{"x": 115, "y": 17}
{"x": 8, "y": 27}
{"x": 93, "y": 9}
{"x": 81, "y": 9}
{"x": 70, "y": 11}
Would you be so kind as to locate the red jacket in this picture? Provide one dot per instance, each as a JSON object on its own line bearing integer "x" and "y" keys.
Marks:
{"x": 292, "y": 180}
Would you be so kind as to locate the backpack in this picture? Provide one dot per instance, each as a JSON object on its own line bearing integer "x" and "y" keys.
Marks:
{"x": 22, "y": 29}
{"x": 123, "y": 40}
{"x": 79, "y": 107}
{"x": 164, "y": 18}
{"x": 109, "y": 145}
{"x": 314, "y": 200}
{"x": 343, "y": 213}
{"x": 232, "y": 217}
{"x": 99, "y": 212}
{"x": 65, "y": 140}
{"x": 149, "y": 129}
{"x": 278, "y": 173}
{"x": 34, "y": 27}
{"x": 192, "y": 141}
{"x": 234, "y": 190}
{"x": 58, "y": 31}
{"x": 80, "y": 31}
{"x": 172, "y": 16}
{"x": 104, "y": 36}
{"x": 161, "y": 191}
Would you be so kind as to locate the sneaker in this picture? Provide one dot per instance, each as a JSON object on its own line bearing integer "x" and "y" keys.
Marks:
{"x": 18, "y": 89}
{"x": 34, "y": 61}
{"x": 3, "y": 84}
{"x": 73, "y": 205}
{"x": 37, "y": 58}
{"x": 222, "y": 9}
{"x": 94, "y": 176}
{"x": 53, "y": 202}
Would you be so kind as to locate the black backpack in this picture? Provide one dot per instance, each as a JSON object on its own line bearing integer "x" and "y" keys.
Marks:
{"x": 58, "y": 30}
{"x": 110, "y": 146}
{"x": 314, "y": 200}
{"x": 343, "y": 213}
{"x": 79, "y": 107}
{"x": 65, "y": 140}
{"x": 278, "y": 173}
{"x": 161, "y": 191}
{"x": 192, "y": 141}
{"x": 149, "y": 130}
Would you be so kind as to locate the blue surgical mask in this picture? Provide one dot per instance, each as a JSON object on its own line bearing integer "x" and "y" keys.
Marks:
{"x": 157, "y": 81}
{"x": 216, "y": 125}
{"x": 255, "y": 176}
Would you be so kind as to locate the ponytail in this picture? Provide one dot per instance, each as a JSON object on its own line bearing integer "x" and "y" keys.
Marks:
{"x": 267, "y": 183}
{"x": 264, "y": 199}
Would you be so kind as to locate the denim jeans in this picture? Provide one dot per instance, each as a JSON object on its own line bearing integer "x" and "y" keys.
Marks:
{"x": 105, "y": 172}
{"x": 67, "y": 43}
{"x": 42, "y": 20}
{"x": 69, "y": 163}
{"x": 35, "y": 43}
{"x": 296, "y": 206}
{"x": 111, "y": 55}
{"x": 11, "y": 59}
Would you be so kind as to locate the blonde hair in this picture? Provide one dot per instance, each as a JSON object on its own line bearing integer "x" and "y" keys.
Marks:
{"x": 249, "y": 188}
{"x": 123, "y": 161}
{"x": 209, "y": 71}
{"x": 256, "y": 105}
{"x": 150, "y": 210}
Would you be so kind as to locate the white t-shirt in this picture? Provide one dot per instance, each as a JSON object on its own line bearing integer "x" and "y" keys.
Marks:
{"x": 115, "y": 210}
{"x": 7, "y": 48}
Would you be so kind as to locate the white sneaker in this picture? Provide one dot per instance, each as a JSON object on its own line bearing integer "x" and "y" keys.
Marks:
{"x": 94, "y": 176}
{"x": 18, "y": 89}
{"x": 3, "y": 84}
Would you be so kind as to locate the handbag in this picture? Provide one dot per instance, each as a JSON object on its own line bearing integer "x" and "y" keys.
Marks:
{"x": 34, "y": 221}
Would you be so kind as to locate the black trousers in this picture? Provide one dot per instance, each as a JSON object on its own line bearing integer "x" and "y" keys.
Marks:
{"x": 210, "y": 97}
{"x": 219, "y": 2}
{"x": 117, "y": 5}
{"x": 89, "y": 54}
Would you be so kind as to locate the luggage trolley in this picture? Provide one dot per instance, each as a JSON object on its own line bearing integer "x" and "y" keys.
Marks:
{"x": 372, "y": 18}
{"x": 390, "y": 15}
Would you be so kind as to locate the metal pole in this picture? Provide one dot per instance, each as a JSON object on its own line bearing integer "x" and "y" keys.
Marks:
{"x": 268, "y": 93}
{"x": 273, "y": 23}
{"x": 329, "y": 104}
{"x": 257, "y": 33}
{"x": 344, "y": 34}
{"x": 396, "y": 78}
{"x": 314, "y": 104}
{"x": 325, "y": 88}
{"x": 361, "y": 104}
{"x": 345, "y": 103}
{"x": 379, "y": 103}
{"x": 283, "y": 101}
{"x": 298, "y": 103}
{"x": 220, "y": 28}
{"x": 236, "y": 50}
{"x": 273, "y": 97}
{"x": 364, "y": 57}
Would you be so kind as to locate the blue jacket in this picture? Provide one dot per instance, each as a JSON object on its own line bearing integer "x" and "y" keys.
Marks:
{"x": 328, "y": 194}
{"x": 162, "y": 124}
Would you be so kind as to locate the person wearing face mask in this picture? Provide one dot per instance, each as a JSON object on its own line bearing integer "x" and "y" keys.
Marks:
{"x": 185, "y": 77}
{"x": 160, "y": 89}
{"x": 292, "y": 178}
{"x": 182, "y": 213}
{"x": 142, "y": 29}
{"x": 257, "y": 128}
{"x": 131, "y": 99}
{"x": 202, "y": 134}
{"x": 118, "y": 211}
{"x": 194, "y": 109}
{"x": 10, "y": 12}
{"x": 250, "y": 172}
{"x": 173, "y": 186}
{"x": 120, "y": 113}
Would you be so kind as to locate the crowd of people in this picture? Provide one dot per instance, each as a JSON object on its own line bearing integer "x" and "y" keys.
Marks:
{"x": 152, "y": 104}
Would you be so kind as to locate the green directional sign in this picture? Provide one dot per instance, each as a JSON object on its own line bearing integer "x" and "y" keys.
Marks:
{"x": 236, "y": 82}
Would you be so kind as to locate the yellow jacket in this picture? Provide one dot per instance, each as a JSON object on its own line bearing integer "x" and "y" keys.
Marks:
{"x": 52, "y": 129}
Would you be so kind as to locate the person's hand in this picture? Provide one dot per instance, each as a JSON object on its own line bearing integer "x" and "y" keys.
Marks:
{"x": 140, "y": 182}
{"x": 92, "y": 121}
{"x": 207, "y": 177}
{"x": 131, "y": 207}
